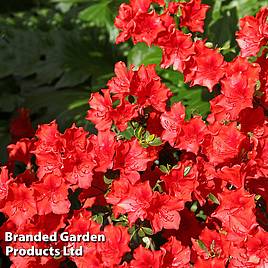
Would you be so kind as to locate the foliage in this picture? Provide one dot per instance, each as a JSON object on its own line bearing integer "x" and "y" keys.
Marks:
{"x": 166, "y": 159}
{"x": 51, "y": 58}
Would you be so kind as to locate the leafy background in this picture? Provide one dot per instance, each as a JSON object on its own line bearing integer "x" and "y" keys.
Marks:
{"x": 54, "y": 53}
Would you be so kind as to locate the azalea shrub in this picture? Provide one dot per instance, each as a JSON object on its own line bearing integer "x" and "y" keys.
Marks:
{"x": 166, "y": 189}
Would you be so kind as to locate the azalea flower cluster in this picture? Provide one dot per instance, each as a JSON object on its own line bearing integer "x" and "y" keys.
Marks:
{"x": 165, "y": 191}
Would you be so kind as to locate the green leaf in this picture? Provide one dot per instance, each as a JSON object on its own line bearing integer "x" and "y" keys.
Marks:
{"x": 100, "y": 15}
{"x": 201, "y": 215}
{"x": 202, "y": 245}
{"x": 194, "y": 206}
{"x": 195, "y": 99}
{"x": 257, "y": 197}
{"x": 98, "y": 218}
{"x": 224, "y": 28}
{"x": 142, "y": 54}
{"x": 40, "y": 58}
{"x": 106, "y": 180}
{"x": 213, "y": 198}
{"x": 147, "y": 230}
{"x": 122, "y": 219}
{"x": 186, "y": 171}
{"x": 5, "y": 139}
{"x": 66, "y": 106}
{"x": 9, "y": 102}
{"x": 216, "y": 10}
{"x": 21, "y": 54}
{"x": 65, "y": 5}
{"x": 128, "y": 133}
{"x": 245, "y": 7}
{"x": 138, "y": 132}
{"x": 141, "y": 233}
{"x": 156, "y": 142}
{"x": 149, "y": 137}
{"x": 132, "y": 230}
{"x": 164, "y": 169}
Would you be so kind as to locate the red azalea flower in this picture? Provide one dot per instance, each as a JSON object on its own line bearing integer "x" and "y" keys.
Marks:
{"x": 215, "y": 168}
{"x": 177, "y": 48}
{"x": 147, "y": 87}
{"x": 143, "y": 257}
{"x": 120, "y": 84}
{"x": 212, "y": 245}
{"x": 77, "y": 158}
{"x": 257, "y": 247}
{"x": 193, "y": 14}
{"x": 138, "y": 24}
{"x": 104, "y": 147}
{"x": 52, "y": 196}
{"x": 115, "y": 247}
{"x": 181, "y": 181}
{"x": 236, "y": 212}
{"x": 20, "y": 205}
{"x": 235, "y": 175}
{"x": 172, "y": 122}
{"x": 147, "y": 27}
{"x": 186, "y": 231}
{"x": 192, "y": 135}
{"x": 24, "y": 261}
{"x": 253, "y": 33}
{"x": 143, "y": 84}
{"x": 238, "y": 86}
{"x": 252, "y": 120}
{"x": 163, "y": 212}
{"x": 103, "y": 115}
{"x": 118, "y": 191}
{"x": 21, "y": 151}
{"x": 123, "y": 113}
{"x": 47, "y": 224}
{"x": 252, "y": 252}
{"x": 154, "y": 124}
{"x": 263, "y": 62}
{"x": 4, "y": 181}
{"x": 143, "y": 5}
{"x": 206, "y": 68}
{"x": 133, "y": 199}
{"x": 100, "y": 107}
{"x": 175, "y": 255}
{"x": 130, "y": 157}
{"x": 225, "y": 145}
{"x": 210, "y": 263}
{"x": 69, "y": 155}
